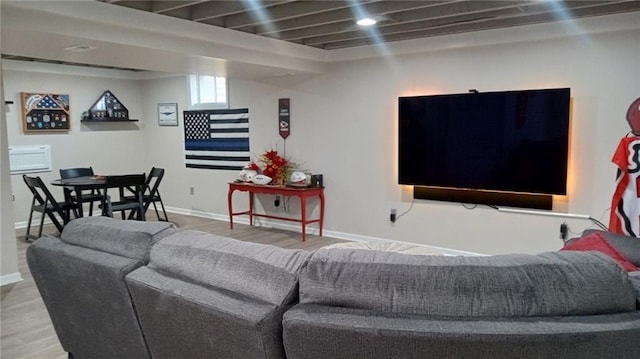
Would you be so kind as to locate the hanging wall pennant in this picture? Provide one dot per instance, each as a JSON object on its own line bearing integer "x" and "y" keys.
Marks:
{"x": 284, "y": 117}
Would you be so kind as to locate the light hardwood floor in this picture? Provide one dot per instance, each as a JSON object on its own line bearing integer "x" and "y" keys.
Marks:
{"x": 25, "y": 325}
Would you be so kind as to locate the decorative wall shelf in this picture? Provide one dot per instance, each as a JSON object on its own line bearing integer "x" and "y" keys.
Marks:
{"x": 107, "y": 109}
{"x": 108, "y": 119}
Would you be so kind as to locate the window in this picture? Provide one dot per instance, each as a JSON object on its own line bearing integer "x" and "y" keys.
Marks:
{"x": 208, "y": 91}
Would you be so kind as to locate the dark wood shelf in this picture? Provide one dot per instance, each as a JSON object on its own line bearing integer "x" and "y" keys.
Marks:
{"x": 108, "y": 119}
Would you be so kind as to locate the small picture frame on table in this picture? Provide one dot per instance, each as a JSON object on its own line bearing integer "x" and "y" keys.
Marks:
{"x": 168, "y": 114}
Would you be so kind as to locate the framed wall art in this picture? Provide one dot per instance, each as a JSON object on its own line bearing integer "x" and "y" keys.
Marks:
{"x": 43, "y": 112}
{"x": 168, "y": 114}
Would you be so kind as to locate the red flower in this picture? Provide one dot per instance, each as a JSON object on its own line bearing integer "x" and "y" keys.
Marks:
{"x": 275, "y": 166}
{"x": 253, "y": 166}
{"x": 271, "y": 155}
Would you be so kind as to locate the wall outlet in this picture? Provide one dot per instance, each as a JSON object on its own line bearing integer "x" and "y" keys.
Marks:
{"x": 392, "y": 215}
{"x": 191, "y": 191}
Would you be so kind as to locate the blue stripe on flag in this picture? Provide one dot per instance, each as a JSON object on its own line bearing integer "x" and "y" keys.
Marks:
{"x": 219, "y": 144}
{"x": 219, "y": 158}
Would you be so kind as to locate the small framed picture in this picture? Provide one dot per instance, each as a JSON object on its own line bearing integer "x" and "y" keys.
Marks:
{"x": 168, "y": 114}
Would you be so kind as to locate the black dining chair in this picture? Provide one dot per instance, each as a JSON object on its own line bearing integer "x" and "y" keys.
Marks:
{"x": 152, "y": 193}
{"x": 44, "y": 203}
{"x": 134, "y": 184}
{"x": 88, "y": 196}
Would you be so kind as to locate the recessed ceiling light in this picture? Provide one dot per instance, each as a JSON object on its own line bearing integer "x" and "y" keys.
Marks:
{"x": 366, "y": 22}
{"x": 80, "y": 48}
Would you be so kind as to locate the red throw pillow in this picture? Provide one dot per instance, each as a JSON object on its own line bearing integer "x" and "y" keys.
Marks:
{"x": 596, "y": 242}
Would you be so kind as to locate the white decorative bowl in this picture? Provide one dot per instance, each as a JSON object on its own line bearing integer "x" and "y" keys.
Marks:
{"x": 261, "y": 179}
{"x": 246, "y": 175}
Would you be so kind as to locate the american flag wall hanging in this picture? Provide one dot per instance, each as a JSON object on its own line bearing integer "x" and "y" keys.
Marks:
{"x": 45, "y": 112}
{"x": 217, "y": 139}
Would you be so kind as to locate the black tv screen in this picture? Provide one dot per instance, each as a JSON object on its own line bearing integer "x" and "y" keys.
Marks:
{"x": 513, "y": 141}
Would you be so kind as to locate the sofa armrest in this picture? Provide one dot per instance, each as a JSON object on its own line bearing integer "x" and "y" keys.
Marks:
{"x": 628, "y": 246}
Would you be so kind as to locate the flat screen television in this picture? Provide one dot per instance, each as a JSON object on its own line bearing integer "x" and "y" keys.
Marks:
{"x": 511, "y": 141}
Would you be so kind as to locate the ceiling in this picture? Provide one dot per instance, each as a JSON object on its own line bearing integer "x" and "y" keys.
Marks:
{"x": 329, "y": 24}
{"x": 277, "y": 40}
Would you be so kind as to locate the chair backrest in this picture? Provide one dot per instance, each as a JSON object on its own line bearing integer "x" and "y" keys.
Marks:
{"x": 134, "y": 183}
{"x": 154, "y": 179}
{"x": 76, "y": 172}
{"x": 41, "y": 193}
{"x": 134, "y": 180}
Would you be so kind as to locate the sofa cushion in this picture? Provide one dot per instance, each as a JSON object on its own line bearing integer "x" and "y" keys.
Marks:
{"x": 319, "y": 332}
{"x": 557, "y": 283}
{"x": 131, "y": 239}
{"x": 187, "y": 320}
{"x": 596, "y": 242}
{"x": 628, "y": 246}
{"x": 255, "y": 270}
{"x": 397, "y": 247}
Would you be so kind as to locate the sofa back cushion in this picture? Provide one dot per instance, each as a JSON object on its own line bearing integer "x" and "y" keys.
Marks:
{"x": 85, "y": 293}
{"x": 131, "y": 239}
{"x": 558, "y": 283}
{"x": 267, "y": 273}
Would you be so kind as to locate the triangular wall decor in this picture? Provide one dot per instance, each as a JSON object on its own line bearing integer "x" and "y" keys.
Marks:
{"x": 107, "y": 108}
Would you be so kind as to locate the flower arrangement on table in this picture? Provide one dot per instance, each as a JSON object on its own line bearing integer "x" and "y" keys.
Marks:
{"x": 272, "y": 165}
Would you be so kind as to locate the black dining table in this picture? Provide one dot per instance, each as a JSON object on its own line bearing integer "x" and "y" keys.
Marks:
{"x": 78, "y": 184}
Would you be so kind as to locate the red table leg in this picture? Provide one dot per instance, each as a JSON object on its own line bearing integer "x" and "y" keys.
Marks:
{"x": 229, "y": 203}
{"x": 303, "y": 209}
{"x": 321, "y": 212}
{"x": 302, "y": 193}
{"x": 251, "y": 208}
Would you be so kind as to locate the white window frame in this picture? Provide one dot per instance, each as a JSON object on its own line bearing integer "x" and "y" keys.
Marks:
{"x": 196, "y": 100}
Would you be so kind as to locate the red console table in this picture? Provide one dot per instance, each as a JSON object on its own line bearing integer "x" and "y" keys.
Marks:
{"x": 302, "y": 192}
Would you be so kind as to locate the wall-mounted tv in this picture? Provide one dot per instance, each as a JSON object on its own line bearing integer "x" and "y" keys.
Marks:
{"x": 511, "y": 141}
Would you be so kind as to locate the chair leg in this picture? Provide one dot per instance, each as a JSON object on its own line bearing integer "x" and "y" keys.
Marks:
{"x": 28, "y": 236}
{"x": 140, "y": 210}
{"x": 41, "y": 225}
{"x": 68, "y": 213}
{"x": 155, "y": 208}
{"x": 166, "y": 218}
{"x": 90, "y": 208}
{"x": 108, "y": 208}
{"x": 55, "y": 221}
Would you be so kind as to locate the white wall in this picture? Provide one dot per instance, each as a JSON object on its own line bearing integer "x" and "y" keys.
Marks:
{"x": 109, "y": 148}
{"x": 344, "y": 126}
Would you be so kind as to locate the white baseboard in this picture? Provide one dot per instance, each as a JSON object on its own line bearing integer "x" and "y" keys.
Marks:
{"x": 19, "y": 225}
{"x": 262, "y": 222}
{"x": 10, "y": 278}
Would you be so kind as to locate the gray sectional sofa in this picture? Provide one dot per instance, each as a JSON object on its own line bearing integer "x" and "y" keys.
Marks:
{"x": 128, "y": 289}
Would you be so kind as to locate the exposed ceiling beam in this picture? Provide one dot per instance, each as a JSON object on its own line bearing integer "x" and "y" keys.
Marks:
{"x": 492, "y": 23}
